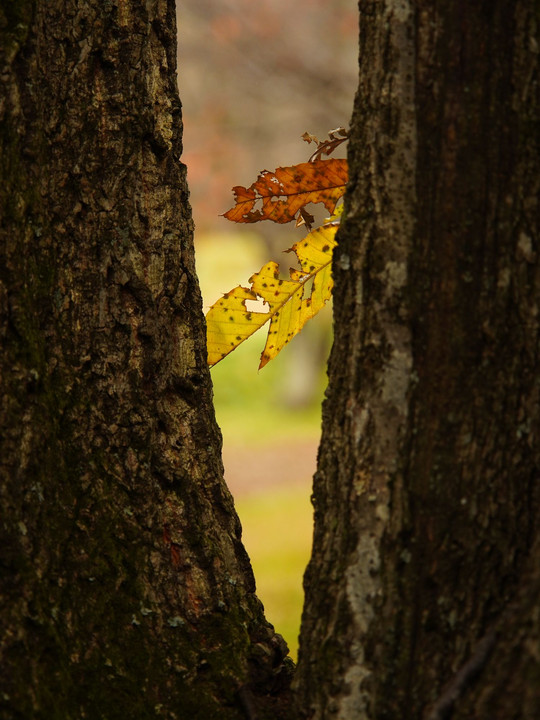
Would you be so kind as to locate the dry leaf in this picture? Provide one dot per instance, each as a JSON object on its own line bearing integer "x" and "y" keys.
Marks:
{"x": 279, "y": 195}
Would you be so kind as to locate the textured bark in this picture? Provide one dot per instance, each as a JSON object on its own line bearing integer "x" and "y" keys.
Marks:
{"x": 125, "y": 590}
{"x": 423, "y": 587}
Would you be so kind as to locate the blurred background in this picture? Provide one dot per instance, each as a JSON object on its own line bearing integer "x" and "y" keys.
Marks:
{"x": 253, "y": 77}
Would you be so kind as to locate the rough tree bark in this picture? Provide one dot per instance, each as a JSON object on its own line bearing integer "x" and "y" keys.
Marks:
{"x": 424, "y": 584}
{"x": 124, "y": 588}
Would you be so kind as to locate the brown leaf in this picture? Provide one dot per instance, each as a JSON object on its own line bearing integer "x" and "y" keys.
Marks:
{"x": 304, "y": 218}
{"x": 309, "y": 138}
{"x": 281, "y": 194}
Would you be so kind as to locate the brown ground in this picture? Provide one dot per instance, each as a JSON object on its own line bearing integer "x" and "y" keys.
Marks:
{"x": 251, "y": 470}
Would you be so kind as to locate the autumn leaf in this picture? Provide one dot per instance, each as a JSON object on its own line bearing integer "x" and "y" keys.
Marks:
{"x": 280, "y": 195}
{"x": 230, "y": 322}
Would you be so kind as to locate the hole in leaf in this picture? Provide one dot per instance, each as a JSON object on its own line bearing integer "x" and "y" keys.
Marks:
{"x": 258, "y": 305}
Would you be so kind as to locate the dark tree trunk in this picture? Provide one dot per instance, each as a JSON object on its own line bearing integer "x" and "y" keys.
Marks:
{"x": 125, "y": 591}
{"x": 423, "y": 588}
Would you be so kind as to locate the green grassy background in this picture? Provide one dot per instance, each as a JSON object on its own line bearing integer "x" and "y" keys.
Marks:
{"x": 255, "y": 415}
{"x": 277, "y": 534}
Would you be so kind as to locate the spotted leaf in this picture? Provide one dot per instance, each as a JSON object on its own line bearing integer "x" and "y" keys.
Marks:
{"x": 280, "y": 195}
{"x": 287, "y": 304}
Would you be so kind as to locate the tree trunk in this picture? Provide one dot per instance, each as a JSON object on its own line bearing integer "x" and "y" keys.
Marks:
{"x": 423, "y": 587}
{"x": 125, "y": 589}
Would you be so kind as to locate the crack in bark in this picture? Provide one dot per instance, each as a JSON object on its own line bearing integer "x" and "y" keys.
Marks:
{"x": 463, "y": 679}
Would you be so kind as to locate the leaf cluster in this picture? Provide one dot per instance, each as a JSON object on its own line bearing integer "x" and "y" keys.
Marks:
{"x": 281, "y": 196}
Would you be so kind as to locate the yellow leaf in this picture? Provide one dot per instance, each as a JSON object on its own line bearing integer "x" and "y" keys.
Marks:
{"x": 284, "y": 192}
{"x": 229, "y": 322}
